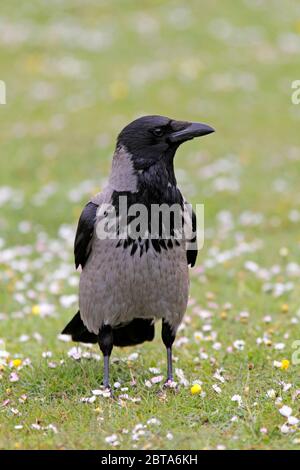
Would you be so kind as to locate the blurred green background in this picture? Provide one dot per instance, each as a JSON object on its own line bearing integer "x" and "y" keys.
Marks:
{"x": 76, "y": 72}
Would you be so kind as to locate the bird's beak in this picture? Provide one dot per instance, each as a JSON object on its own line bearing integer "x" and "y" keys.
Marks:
{"x": 190, "y": 131}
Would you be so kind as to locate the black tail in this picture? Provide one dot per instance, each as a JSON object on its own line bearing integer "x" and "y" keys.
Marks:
{"x": 135, "y": 332}
{"x": 78, "y": 331}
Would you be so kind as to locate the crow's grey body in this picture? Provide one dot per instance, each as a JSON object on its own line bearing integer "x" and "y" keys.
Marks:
{"x": 129, "y": 282}
{"x": 116, "y": 287}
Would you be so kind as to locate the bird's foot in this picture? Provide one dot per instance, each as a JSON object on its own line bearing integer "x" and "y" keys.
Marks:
{"x": 107, "y": 391}
{"x": 171, "y": 385}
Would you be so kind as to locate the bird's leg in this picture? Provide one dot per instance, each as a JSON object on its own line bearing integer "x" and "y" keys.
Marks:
{"x": 105, "y": 340}
{"x": 168, "y": 337}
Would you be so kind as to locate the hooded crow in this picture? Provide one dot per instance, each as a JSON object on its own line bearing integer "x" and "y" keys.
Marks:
{"x": 130, "y": 278}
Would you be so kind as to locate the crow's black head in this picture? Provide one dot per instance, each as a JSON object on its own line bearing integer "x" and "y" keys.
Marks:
{"x": 152, "y": 138}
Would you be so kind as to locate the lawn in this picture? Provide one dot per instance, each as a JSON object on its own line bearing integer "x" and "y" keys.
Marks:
{"x": 75, "y": 74}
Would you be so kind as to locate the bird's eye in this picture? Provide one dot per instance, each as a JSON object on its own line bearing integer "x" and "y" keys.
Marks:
{"x": 158, "y": 131}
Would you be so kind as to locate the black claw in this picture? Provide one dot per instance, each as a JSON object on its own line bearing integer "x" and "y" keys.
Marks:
{"x": 171, "y": 385}
{"x": 109, "y": 390}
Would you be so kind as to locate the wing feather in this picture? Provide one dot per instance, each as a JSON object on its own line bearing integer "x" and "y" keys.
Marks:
{"x": 84, "y": 234}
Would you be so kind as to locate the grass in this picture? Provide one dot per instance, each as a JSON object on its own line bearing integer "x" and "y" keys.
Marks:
{"x": 76, "y": 72}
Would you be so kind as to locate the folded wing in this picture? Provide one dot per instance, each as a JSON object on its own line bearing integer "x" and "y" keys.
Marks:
{"x": 84, "y": 234}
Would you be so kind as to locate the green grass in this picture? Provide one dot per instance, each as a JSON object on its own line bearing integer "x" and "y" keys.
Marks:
{"x": 69, "y": 91}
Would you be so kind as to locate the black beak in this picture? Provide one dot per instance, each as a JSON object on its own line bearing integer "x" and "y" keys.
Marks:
{"x": 192, "y": 130}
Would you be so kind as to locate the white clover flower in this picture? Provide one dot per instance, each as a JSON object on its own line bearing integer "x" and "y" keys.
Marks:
{"x": 153, "y": 421}
{"x": 113, "y": 439}
{"x": 285, "y": 411}
{"x": 238, "y": 399}
{"x": 157, "y": 379}
{"x": 75, "y": 353}
{"x": 292, "y": 420}
{"x": 239, "y": 344}
{"x": 133, "y": 356}
{"x": 216, "y": 388}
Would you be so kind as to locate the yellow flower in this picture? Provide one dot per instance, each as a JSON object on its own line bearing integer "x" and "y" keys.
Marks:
{"x": 197, "y": 336}
{"x": 223, "y": 315}
{"x": 11, "y": 286}
{"x": 36, "y": 310}
{"x": 118, "y": 90}
{"x": 285, "y": 364}
{"x": 195, "y": 389}
{"x": 16, "y": 362}
{"x": 284, "y": 308}
{"x": 33, "y": 64}
{"x": 297, "y": 26}
{"x": 210, "y": 295}
{"x": 284, "y": 251}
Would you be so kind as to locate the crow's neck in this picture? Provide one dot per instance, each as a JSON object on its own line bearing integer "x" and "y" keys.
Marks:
{"x": 151, "y": 181}
{"x": 158, "y": 181}
{"x": 123, "y": 176}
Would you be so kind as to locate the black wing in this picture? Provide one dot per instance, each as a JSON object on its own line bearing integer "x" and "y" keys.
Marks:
{"x": 191, "y": 254}
{"x": 84, "y": 234}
